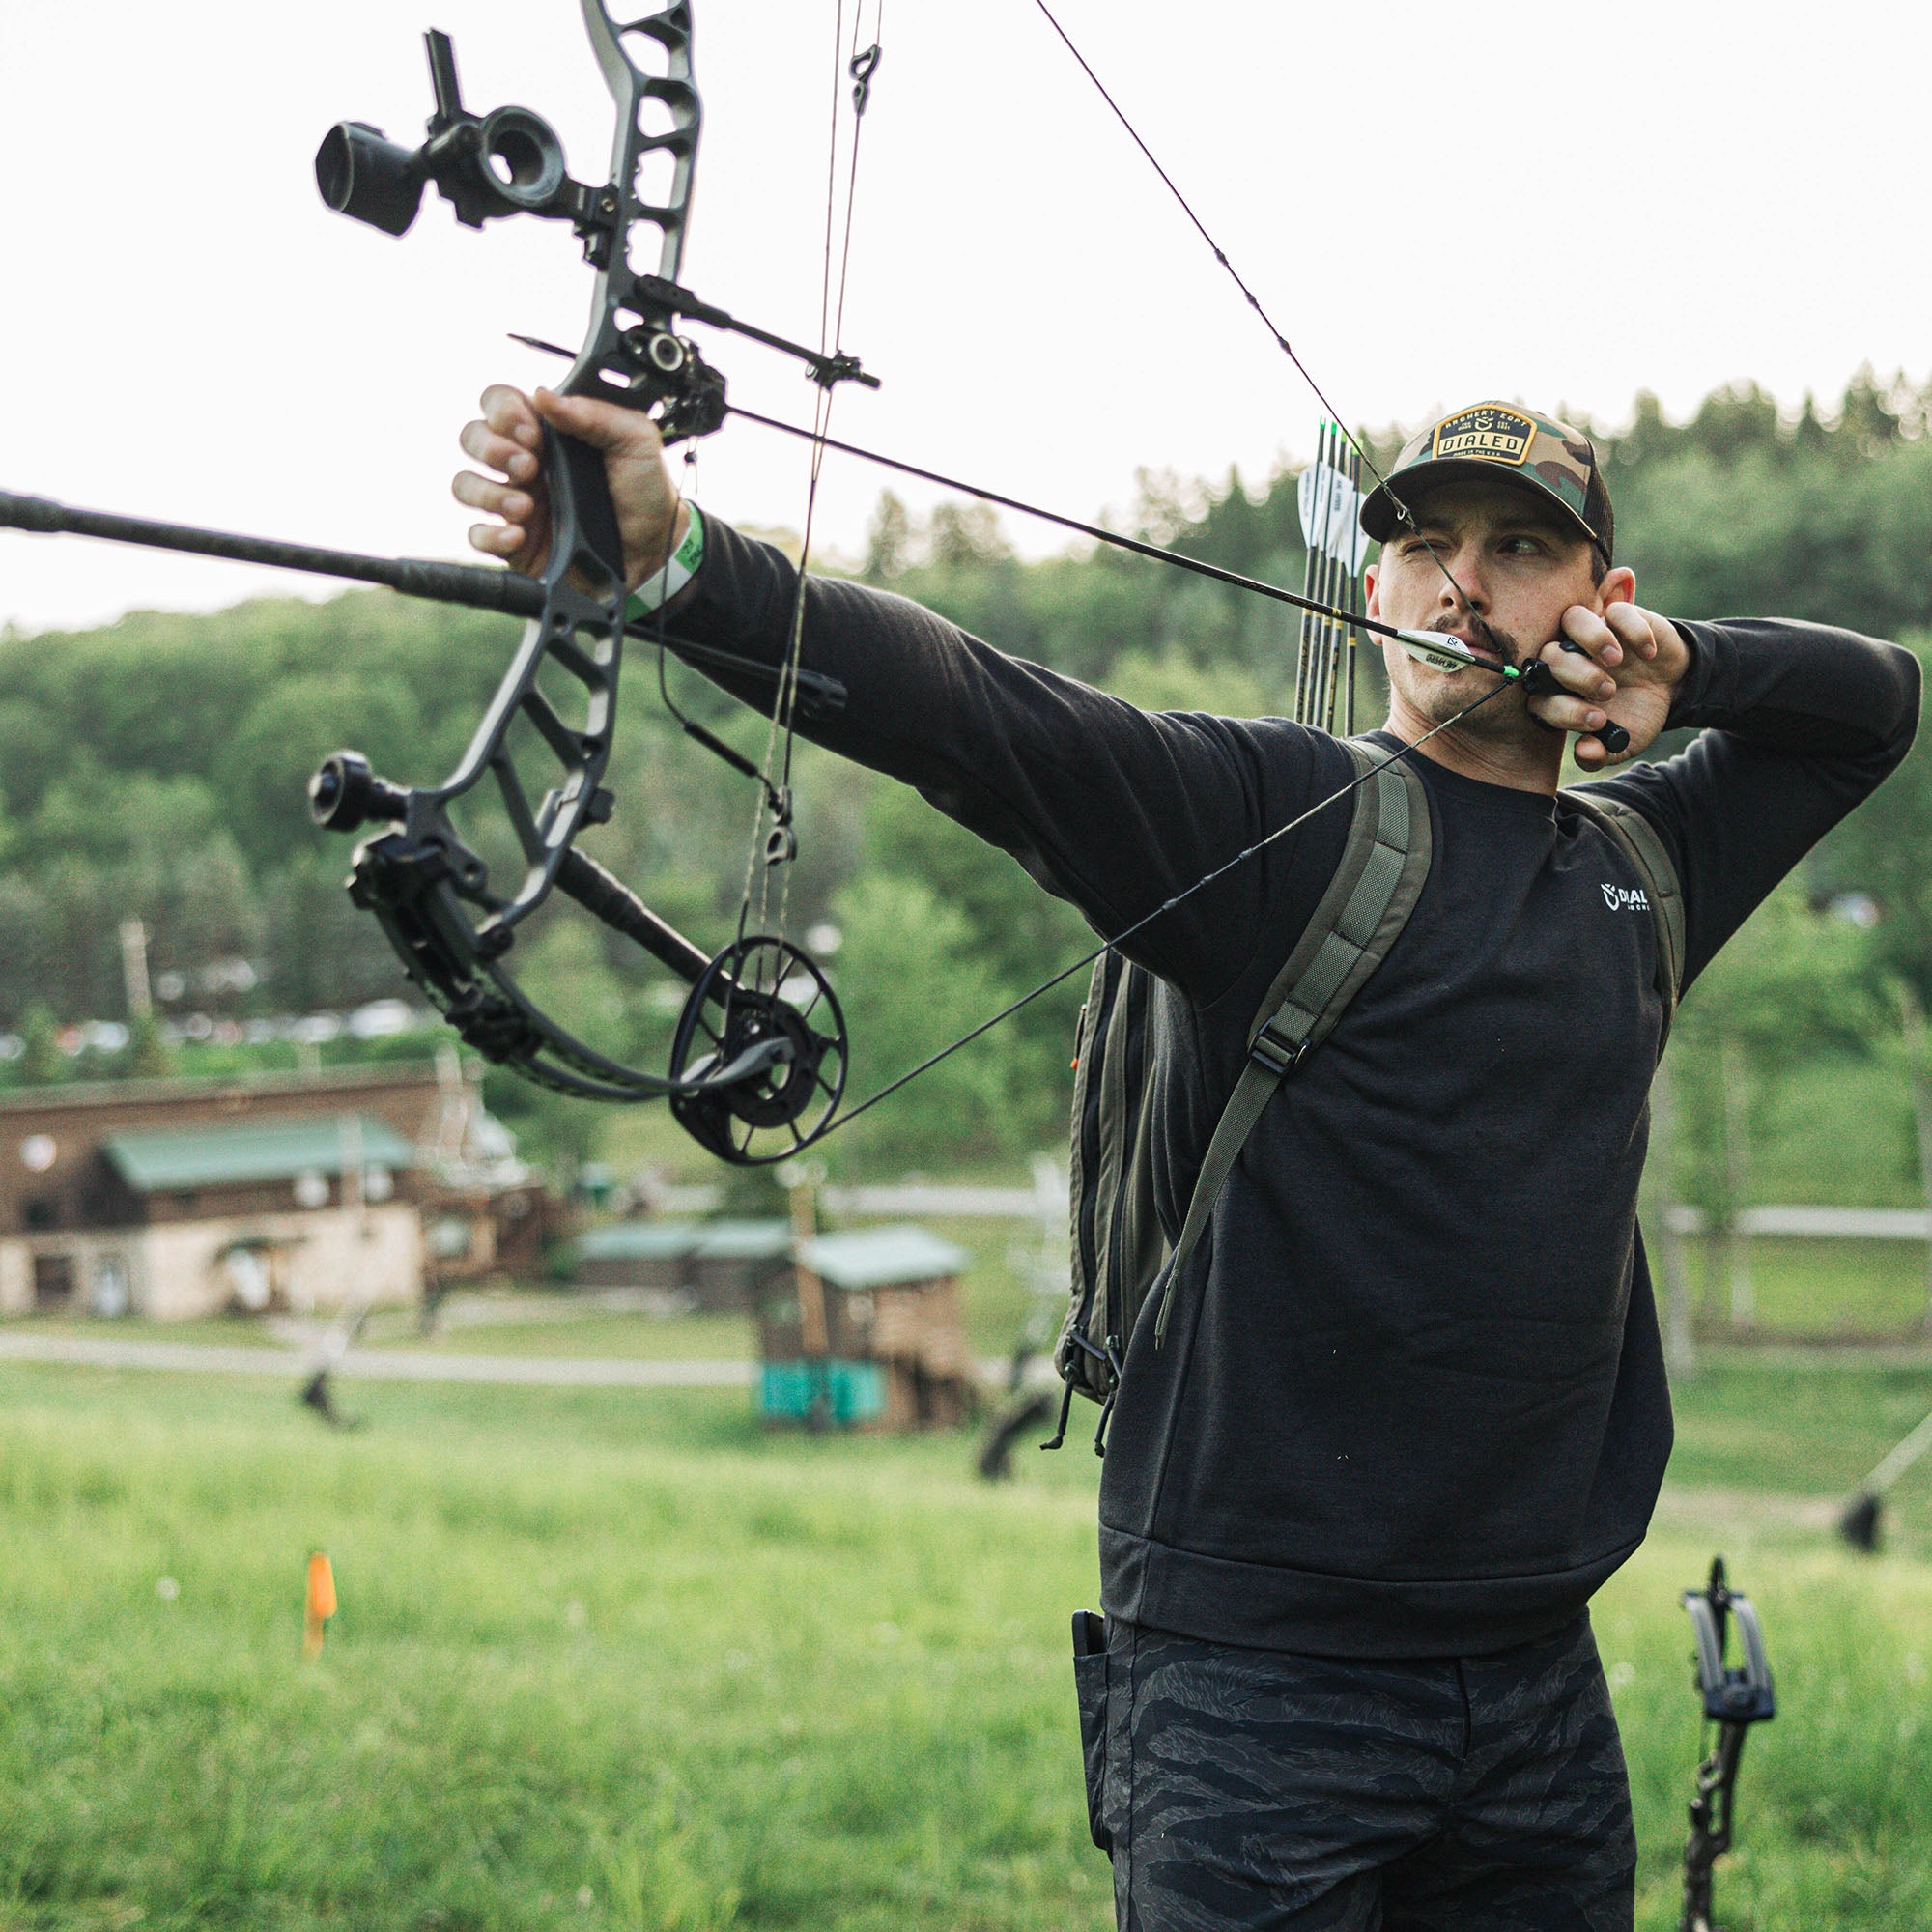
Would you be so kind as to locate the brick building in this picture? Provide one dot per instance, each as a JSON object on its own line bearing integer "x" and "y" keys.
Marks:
{"x": 178, "y": 1198}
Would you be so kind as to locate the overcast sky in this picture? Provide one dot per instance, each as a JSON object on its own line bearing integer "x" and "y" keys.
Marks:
{"x": 1438, "y": 205}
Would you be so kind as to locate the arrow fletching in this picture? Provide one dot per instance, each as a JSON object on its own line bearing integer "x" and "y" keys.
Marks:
{"x": 1331, "y": 508}
{"x": 1438, "y": 650}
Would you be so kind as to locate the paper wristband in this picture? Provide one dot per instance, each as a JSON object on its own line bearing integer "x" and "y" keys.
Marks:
{"x": 655, "y": 593}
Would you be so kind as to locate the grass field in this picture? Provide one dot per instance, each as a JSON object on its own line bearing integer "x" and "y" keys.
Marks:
{"x": 698, "y": 1337}
{"x": 1831, "y": 1290}
{"x": 618, "y": 1659}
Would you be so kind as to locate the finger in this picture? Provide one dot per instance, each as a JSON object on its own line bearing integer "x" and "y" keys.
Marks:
{"x": 1632, "y": 626}
{"x": 606, "y": 426}
{"x": 504, "y": 540}
{"x": 485, "y": 493}
{"x": 490, "y": 446}
{"x": 1585, "y": 629}
{"x": 1569, "y": 714}
{"x": 510, "y": 412}
{"x": 1577, "y": 671}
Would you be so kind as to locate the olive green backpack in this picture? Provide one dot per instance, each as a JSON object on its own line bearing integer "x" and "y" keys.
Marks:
{"x": 1120, "y": 1252}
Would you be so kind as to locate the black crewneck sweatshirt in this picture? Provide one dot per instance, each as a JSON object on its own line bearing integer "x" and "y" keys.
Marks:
{"x": 1411, "y": 1400}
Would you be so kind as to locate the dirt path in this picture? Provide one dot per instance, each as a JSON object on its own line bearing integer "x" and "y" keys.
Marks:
{"x": 369, "y": 1365}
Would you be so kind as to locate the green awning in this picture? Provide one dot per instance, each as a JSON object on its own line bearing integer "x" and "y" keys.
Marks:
{"x": 744, "y": 1241}
{"x": 252, "y": 1151}
{"x": 680, "y": 1240}
{"x": 638, "y": 1242}
{"x": 882, "y": 1257}
{"x": 863, "y": 1258}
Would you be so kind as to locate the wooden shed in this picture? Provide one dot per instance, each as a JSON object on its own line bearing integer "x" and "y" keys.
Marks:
{"x": 653, "y": 1255}
{"x": 865, "y": 1331}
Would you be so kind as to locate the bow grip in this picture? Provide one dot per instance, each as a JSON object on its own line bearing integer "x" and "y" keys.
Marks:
{"x": 583, "y": 515}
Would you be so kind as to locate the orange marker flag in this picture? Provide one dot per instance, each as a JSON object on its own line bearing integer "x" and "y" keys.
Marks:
{"x": 321, "y": 1603}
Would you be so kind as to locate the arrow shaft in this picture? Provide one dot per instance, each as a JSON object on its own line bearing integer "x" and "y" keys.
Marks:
{"x": 1900, "y": 1459}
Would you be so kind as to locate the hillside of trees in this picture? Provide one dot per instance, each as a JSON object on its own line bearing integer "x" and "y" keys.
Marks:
{"x": 156, "y": 768}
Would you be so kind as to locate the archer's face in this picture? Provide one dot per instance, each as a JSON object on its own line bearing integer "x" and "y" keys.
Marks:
{"x": 1516, "y": 565}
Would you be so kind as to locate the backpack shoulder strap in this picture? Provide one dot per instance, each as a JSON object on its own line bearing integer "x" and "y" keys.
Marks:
{"x": 1368, "y": 902}
{"x": 1636, "y": 838}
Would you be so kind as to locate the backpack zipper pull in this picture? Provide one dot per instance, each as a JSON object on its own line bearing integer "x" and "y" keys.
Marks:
{"x": 1065, "y": 1409}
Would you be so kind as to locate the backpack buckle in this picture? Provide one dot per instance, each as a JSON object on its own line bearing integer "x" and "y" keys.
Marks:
{"x": 1274, "y": 1053}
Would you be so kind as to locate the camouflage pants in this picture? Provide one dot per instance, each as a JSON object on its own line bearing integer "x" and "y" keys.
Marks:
{"x": 1238, "y": 1790}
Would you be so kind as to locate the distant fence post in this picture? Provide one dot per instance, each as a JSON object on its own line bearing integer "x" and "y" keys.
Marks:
{"x": 1912, "y": 1023}
{"x": 1736, "y": 1083}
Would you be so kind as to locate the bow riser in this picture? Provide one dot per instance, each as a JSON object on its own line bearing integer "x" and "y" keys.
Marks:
{"x": 634, "y": 353}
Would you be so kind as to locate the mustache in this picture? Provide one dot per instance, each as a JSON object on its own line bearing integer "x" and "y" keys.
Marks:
{"x": 1504, "y": 644}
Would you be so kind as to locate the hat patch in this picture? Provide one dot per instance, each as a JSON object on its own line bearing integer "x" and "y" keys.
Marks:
{"x": 1489, "y": 432}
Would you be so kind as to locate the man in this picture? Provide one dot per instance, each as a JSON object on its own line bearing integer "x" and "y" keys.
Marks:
{"x": 1410, "y": 1411}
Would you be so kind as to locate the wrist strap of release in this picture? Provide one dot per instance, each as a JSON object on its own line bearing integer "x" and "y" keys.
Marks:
{"x": 658, "y": 590}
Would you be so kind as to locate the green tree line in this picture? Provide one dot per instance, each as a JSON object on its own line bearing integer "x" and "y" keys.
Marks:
{"x": 156, "y": 768}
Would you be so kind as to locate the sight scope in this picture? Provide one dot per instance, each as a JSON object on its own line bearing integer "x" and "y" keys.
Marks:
{"x": 508, "y": 162}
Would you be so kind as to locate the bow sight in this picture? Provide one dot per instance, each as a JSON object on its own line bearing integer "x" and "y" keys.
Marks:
{"x": 511, "y": 162}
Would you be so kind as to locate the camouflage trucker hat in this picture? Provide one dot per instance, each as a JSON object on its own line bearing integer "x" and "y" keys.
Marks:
{"x": 1539, "y": 452}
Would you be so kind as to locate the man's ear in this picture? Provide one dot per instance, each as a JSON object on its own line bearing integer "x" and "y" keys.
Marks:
{"x": 1373, "y": 577}
{"x": 1619, "y": 586}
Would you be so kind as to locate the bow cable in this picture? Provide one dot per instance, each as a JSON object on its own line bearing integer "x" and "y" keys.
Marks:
{"x": 781, "y": 846}
{"x": 1166, "y": 906}
{"x": 773, "y": 851}
{"x": 777, "y": 848}
{"x": 1328, "y": 611}
{"x": 859, "y": 68}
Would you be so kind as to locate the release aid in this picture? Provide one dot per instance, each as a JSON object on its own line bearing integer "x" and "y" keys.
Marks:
{"x": 1440, "y": 651}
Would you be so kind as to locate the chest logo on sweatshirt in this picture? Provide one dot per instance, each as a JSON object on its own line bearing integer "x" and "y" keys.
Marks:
{"x": 1625, "y": 898}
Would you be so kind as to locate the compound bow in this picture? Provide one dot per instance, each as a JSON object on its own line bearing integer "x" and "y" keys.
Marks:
{"x": 758, "y": 1057}
{"x": 760, "y": 1049}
